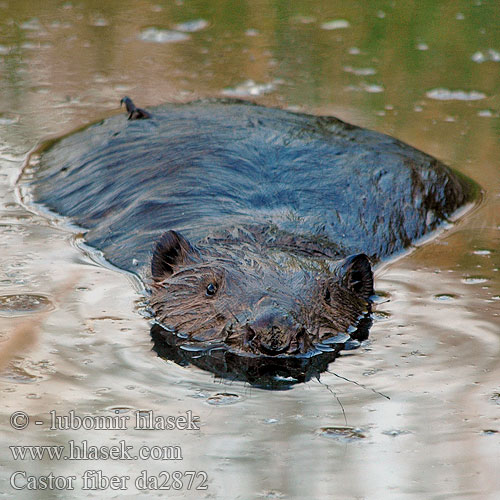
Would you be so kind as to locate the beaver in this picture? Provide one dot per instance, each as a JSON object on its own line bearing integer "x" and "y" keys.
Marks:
{"x": 255, "y": 228}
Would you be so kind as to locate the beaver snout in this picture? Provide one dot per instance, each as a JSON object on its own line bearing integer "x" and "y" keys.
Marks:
{"x": 272, "y": 332}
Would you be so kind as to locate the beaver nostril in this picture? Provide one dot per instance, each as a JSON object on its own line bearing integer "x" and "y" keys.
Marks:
{"x": 271, "y": 331}
{"x": 274, "y": 345}
{"x": 273, "y": 341}
{"x": 249, "y": 334}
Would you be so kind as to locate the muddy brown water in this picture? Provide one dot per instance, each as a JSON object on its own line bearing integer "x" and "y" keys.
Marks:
{"x": 426, "y": 72}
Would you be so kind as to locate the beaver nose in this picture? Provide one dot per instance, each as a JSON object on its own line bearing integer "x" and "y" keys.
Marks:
{"x": 272, "y": 331}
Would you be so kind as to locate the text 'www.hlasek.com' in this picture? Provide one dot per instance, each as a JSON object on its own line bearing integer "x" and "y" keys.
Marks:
{"x": 81, "y": 450}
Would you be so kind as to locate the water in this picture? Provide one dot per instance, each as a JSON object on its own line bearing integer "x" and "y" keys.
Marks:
{"x": 434, "y": 349}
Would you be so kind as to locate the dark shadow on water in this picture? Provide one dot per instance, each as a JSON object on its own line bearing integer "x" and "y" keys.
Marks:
{"x": 267, "y": 372}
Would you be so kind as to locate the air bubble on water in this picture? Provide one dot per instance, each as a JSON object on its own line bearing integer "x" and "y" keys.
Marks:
{"x": 271, "y": 421}
{"x": 271, "y": 494}
{"x": 494, "y": 55}
{"x": 360, "y": 71}
{"x": 366, "y": 87}
{"x": 30, "y": 45}
{"x": 23, "y": 304}
{"x": 26, "y": 371}
{"x": 99, "y": 21}
{"x": 395, "y": 432}
{"x": 8, "y": 120}
{"x": 489, "y": 55}
{"x": 223, "y": 398}
{"x": 102, "y": 390}
{"x": 304, "y": 19}
{"x": 250, "y": 88}
{"x": 445, "y": 297}
{"x": 120, "y": 409}
{"x": 474, "y": 280}
{"x": 157, "y": 35}
{"x": 192, "y": 26}
{"x": 32, "y": 25}
{"x": 478, "y": 57}
{"x": 442, "y": 94}
{"x": 371, "y": 372}
{"x": 335, "y": 24}
{"x": 372, "y": 88}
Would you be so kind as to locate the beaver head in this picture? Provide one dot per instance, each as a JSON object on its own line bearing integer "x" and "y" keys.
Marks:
{"x": 252, "y": 302}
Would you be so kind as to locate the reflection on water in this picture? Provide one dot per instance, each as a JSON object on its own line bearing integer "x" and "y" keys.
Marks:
{"x": 266, "y": 372}
{"x": 434, "y": 347}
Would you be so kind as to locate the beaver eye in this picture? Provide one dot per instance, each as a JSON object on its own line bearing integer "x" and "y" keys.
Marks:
{"x": 211, "y": 289}
{"x": 327, "y": 295}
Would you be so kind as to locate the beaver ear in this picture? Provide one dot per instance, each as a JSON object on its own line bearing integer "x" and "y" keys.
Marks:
{"x": 356, "y": 274}
{"x": 170, "y": 251}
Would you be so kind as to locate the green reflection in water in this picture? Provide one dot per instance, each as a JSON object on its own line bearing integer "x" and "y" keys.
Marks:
{"x": 83, "y": 56}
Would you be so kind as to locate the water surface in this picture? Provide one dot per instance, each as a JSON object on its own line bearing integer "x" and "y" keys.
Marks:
{"x": 425, "y": 72}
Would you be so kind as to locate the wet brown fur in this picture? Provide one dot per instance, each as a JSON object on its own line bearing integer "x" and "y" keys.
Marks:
{"x": 260, "y": 306}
